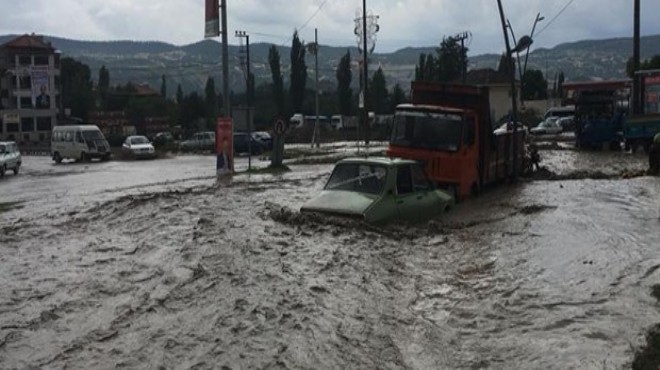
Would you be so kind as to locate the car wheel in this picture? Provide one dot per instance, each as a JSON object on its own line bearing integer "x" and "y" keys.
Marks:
{"x": 83, "y": 157}
{"x": 16, "y": 169}
{"x": 57, "y": 158}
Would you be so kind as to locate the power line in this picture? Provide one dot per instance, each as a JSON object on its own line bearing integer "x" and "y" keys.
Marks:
{"x": 313, "y": 15}
{"x": 555, "y": 17}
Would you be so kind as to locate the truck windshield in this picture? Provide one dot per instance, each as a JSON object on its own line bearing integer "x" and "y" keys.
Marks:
{"x": 427, "y": 130}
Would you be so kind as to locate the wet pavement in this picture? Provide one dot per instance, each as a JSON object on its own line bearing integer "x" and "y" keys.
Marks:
{"x": 152, "y": 264}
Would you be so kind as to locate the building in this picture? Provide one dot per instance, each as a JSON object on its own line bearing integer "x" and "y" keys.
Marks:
{"x": 29, "y": 89}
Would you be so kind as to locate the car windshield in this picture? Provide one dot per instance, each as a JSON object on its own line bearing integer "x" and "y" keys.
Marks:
{"x": 427, "y": 130}
{"x": 139, "y": 140}
{"x": 92, "y": 135}
{"x": 357, "y": 177}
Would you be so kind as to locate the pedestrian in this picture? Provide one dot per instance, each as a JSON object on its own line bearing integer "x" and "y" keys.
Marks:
{"x": 654, "y": 155}
{"x": 535, "y": 157}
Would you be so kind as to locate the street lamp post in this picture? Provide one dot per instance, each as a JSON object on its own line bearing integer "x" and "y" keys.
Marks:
{"x": 522, "y": 45}
{"x": 248, "y": 98}
{"x": 314, "y": 49}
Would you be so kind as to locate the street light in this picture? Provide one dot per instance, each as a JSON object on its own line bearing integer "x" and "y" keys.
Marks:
{"x": 244, "y": 35}
{"x": 313, "y": 48}
{"x": 522, "y": 45}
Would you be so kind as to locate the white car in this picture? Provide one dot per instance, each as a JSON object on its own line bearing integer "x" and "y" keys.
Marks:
{"x": 508, "y": 127}
{"x": 549, "y": 126}
{"x": 138, "y": 147}
{"x": 10, "y": 157}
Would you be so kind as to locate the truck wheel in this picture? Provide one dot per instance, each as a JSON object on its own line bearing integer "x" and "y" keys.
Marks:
{"x": 57, "y": 158}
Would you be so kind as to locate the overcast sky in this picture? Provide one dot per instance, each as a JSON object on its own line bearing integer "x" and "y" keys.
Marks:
{"x": 403, "y": 22}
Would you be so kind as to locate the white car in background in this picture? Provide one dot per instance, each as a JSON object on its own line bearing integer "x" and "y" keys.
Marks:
{"x": 547, "y": 127}
{"x": 10, "y": 157}
{"x": 508, "y": 127}
{"x": 138, "y": 147}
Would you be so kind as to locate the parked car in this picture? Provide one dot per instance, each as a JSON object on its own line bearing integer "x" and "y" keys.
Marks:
{"x": 508, "y": 127}
{"x": 79, "y": 142}
{"x": 200, "y": 141}
{"x": 163, "y": 138}
{"x": 567, "y": 124}
{"x": 242, "y": 142}
{"x": 548, "y": 126}
{"x": 264, "y": 138}
{"x": 379, "y": 190}
{"x": 138, "y": 147}
{"x": 10, "y": 157}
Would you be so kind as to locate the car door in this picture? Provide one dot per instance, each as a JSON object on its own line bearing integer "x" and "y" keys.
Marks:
{"x": 407, "y": 199}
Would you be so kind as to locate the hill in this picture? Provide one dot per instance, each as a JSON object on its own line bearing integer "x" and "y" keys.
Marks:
{"x": 190, "y": 65}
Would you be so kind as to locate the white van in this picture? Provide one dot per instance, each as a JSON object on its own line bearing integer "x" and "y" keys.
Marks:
{"x": 80, "y": 142}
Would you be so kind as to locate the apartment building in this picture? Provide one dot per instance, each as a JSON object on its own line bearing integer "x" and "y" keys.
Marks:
{"x": 29, "y": 89}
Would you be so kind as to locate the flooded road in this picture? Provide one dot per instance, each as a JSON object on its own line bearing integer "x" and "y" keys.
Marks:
{"x": 169, "y": 270}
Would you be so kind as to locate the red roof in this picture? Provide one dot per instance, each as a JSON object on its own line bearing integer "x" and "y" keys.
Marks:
{"x": 31, "y": 42}
{"x": 145, "y": 90}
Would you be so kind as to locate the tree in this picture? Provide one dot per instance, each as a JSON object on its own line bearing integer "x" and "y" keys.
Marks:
{"x": 210, "y": 103}
{"x": 378, "y": 92}
{"x": 104, "y": 86}
{"x": 179, "y": 94}
{"x": 653, "y": 63}
{"x": 274, "y": 60}
{"x": 344, "y": 77}
{"x": 163, "y": 87}
{"x": 535, "y": 87}
{"x": 426, "y": 69}
{"x": 398, "y": 97}
{"x": 298, "y": 73}
{"x": 76, "y": 87}
{"x": 452, "y": 59}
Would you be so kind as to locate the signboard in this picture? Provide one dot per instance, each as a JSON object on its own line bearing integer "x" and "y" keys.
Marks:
{"x": 224, "y": 146}
{"x": 12, "y": 117}
{"x": 652, "y": 80}
{"x": 280, "y": 127}
{"x": 40, "y": 87}
{"x": 212, "y": 19}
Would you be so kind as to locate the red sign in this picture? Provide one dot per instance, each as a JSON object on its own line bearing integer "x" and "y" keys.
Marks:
{"x": 212, "y": 19}
{"x": 224, "y": 146}
{"x": 652, "y": 80}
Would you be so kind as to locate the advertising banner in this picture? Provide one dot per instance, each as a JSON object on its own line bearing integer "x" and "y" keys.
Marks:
{"x": 40, "y": 87}
{"x": 212, "y": 19}
{"x": 224, "y": 146}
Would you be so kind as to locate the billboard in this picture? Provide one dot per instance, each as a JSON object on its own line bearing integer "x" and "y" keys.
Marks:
{"x": 212, "y": 19}
{"x": 224, "y": 146}
{"x": 40, "y": 87}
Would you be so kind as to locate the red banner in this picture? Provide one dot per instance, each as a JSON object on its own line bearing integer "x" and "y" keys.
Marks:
{"x": 212, "y": 19}
{"x": 224, "y": 146}
{"x": 652, "y": 80}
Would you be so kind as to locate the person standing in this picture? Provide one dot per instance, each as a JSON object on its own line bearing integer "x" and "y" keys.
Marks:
{"x": 654, "y": 155}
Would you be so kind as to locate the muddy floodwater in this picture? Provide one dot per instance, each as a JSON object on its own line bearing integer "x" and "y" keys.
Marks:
{"x": 155, "y": 265}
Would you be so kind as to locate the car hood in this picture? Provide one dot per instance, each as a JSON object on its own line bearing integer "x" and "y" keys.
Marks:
{"x": 340, "y": 202}
{"x": 141, "y": 146}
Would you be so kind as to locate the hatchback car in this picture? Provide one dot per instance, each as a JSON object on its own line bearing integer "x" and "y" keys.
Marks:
{"x": 10, "y": 157}
{"x": 380, "y": 190}
{"x": 200, "y": 141}
{"x": 138, "y": 147}
{"x": 244, "y": 143}
{"x": 264, "y": 138}
{"x": 548, "y": 126}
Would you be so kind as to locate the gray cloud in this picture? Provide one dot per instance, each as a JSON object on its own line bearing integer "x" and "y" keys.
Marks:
{"x": 403, "y": 22}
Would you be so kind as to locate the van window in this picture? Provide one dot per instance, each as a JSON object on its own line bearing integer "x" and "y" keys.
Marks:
{"x": 79, "y": 137}
{"x": 68, "y": 136}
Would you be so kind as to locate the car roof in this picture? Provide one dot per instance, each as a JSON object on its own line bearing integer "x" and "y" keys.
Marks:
{"x": 7, "y": 142}
{"x": 383, "y": 161}
{"x": 77, "y": 127}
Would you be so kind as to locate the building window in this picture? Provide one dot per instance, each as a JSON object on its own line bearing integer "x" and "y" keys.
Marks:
{"x": 25, "y": 60}
{"x": 42, "y": 137}
{"x": 26, "y": 137}
{"x": 43, "y": 123}
{"x": 27, "y": 124}
{"x": 12, "y": 127}
{"x": 25, "y": 82}
{"x": 26, "y": 102}
{"x": 41, "y": 60}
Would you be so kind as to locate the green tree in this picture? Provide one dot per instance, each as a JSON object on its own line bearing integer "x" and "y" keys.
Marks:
{"x": 535, "y": 87}
{"x": 211, "y": 103}
{"x": 653, "y": 63}
{"x": 298, "y": 73}
{"x": 344, "y": 77}
{"x": 451, "y": 59}
{"x": 426, "y": 68}
{"x": 76, "y": 87}
{"x": 163, "y": 87}
{"x": 104, "y": 86}
{"x": 179, "y": 94}
{"x": 378, "y": 92}
{"x": 192, "y": 111}
{"x": 275, "y": 61}
{"x": 398, "y": 97}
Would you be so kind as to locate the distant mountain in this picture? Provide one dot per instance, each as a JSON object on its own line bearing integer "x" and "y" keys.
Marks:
{"x": 190, "y": 65}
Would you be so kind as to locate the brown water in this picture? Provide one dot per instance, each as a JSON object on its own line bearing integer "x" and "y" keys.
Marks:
{"x": 545, "y": 274}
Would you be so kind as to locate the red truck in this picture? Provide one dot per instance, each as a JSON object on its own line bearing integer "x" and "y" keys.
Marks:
{"x": 448, "y": 127}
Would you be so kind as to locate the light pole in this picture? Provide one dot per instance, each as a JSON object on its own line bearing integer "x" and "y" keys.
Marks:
{"x": 522, "y": 45}
{"x": 314, "y": 49}
{"x": 243, "y": 35}
{"x": 366, "y": 33}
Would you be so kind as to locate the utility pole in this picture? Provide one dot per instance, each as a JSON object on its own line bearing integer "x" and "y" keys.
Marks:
{"x": 462, "y": 37}
{"x": 248, "y": 98}
{"x": 514, "y": 103}
{"x": 365, "y": 66}
{"x": 225, "y": 59}
{"x": 314, "y": 49}
{"x": 636, "y": 103}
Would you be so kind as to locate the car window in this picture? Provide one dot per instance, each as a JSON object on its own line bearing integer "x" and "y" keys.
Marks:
{"x": 68, "y": 136}
{"x": 420, "y": 181}
{"x": 362, "y": 178}
{"x": 3, "y": 149}
{"x": 404, "y": 180}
